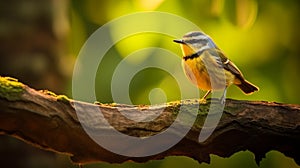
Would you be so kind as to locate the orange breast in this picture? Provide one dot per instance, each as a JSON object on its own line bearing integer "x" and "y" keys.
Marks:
{"x": 197, "y": 73}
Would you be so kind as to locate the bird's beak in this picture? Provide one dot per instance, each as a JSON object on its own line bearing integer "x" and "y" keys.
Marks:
{"x": 179, "y": 41}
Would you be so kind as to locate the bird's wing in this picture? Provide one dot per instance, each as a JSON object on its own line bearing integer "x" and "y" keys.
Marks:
{"x": 226, "y": 63}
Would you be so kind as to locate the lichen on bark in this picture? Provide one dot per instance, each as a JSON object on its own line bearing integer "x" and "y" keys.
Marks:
{"x": 10, "y": 88}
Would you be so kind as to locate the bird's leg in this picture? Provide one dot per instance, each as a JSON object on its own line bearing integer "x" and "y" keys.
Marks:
{"x": 223, "y": 98}
{"x": 203, "y": 99}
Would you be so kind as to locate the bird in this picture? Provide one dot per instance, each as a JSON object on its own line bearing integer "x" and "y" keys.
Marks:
{"x": 207, "y": 67}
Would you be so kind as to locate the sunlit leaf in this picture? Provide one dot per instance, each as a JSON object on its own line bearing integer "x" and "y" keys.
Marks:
{"x": 241, "y": 13}
{"x": 147, "y": 4}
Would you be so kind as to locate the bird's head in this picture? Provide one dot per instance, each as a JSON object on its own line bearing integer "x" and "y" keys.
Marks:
{"x": 195, "y": 41}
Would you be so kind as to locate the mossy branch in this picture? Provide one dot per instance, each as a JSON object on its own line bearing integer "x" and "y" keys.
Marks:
{"x": 49, "y": 121}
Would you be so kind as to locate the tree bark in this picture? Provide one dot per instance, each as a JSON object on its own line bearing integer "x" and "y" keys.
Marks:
{"x": 50, "y": 122}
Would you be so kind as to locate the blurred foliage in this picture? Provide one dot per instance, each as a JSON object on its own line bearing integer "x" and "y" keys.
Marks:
{"x": 261, "y": 37}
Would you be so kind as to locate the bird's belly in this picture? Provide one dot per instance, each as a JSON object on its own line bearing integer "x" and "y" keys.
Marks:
{"x": 197, "y": 73}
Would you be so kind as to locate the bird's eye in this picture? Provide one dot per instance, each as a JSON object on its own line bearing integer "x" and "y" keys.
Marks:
{"x": 196, "y": 41}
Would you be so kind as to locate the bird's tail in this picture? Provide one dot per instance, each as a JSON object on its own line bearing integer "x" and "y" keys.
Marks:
{"x": 247, "y": 87}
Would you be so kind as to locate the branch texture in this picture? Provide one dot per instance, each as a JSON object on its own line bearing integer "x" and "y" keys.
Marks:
{"x": 50, "y": 122}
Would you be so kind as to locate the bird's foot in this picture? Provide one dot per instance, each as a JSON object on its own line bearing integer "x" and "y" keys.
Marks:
{"x": 202, "y": 101}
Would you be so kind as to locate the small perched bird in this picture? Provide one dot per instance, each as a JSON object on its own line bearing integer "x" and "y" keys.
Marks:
{"x": 208, "y": 68}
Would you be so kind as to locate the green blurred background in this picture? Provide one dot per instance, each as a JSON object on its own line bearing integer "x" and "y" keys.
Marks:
{"x": 260, "y": 37}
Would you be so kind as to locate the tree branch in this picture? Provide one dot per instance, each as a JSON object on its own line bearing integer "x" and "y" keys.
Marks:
{"x": 48, "y": 121}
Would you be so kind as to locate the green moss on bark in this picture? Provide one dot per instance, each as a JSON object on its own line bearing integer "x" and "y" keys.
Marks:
{"x": 10, "y": 88}
{"x": 63, "y": 98}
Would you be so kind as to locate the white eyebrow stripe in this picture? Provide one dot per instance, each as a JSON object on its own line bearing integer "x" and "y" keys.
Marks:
{"x": 202, "y": 36}
{"x": 199, "y": 37}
